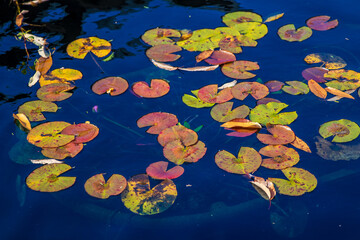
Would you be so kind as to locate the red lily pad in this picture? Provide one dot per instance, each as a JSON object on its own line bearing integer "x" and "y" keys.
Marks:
{"x": 49, "y": 135}
{"x": 158, "y": 36}
{"x": 315, "y": 73}
{"x": 33, "y": 109}
{"x": 178, "y": 153}
{"x": 266, "y": 101}
{"x": 220, "y": 57}
{"x": 158, "y": 120}
{"x": 239, "y": 69}
{"x": 157, "y": 88}
{"x": 96, "y": 186}
{"x": 83, "y": 132}
{"x": 274, "y": 85}
{"x": 241, "y": 131}
{"x": 247, "y": 161}
{"x": 46, "y": 178}
{"x": 242, "y": 90}
{"x": 158, "y": 170}
{"x": 111, "y": 85}
{"x": 321, "y": 23}
{"x": 179, "y": 132}
{"x": 280, "y": 157}
{"x": 280, "y": 134}
{"x": 163, "y": 52}
{"x": 54, "y": 92}
{"x": 210, "y": 94}
{"x": 290, "y": 34}
{"x": 223, "y": 112}
{"x": 68, "y": 150}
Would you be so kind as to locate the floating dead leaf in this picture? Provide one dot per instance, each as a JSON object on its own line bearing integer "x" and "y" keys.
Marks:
{"x": 338, "y": 93}
{"x": 316, "y": 89}
{"x": 43, "y": 65}
{"x": 203, "y": 55}
{"x": 199, "y": 69}
{"x": 227, "y": 85}
{"x": 45, "y": 161}
{"x": 336, "y": 98}
{"x": 241, "y": 127}
{"x": 300, "y": 144}
{"x": 158, "y": 121}
{"x": 274, "y": 17}
{"x": 264, "y": 187}
{"x": 164, "y": 65}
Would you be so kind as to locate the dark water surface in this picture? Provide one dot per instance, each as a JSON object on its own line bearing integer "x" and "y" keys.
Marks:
{"x": 217, "y": 205}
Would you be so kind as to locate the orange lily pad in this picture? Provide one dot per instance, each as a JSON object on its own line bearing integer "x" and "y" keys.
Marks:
{"x": 247, "y": 161}
{"x": 46, "y": 178}
{"x": 110, "y": 85}
{"x": 315, "y": 73}
{"x": 163, "y": 52}
{"x": 80, "y": 47}
{"x": 178, "y": 153}
{"x": 223, "y": 112}
{"x": 300, "y": 144}
{"x": 274, "y": 85}
{"x": 321, "y": 23}
{"x": 179, "y": 132}
{"x": 83, "y": 132}
{"x": 54, "y": 92}
{"x": 68, "y": 150}
{"x": 158, "y": 170}
{"x": 96, "y": 186}
{"x": 159, "y": 36}
{"x": 157, "y": 88}
{"x": 330, "y": 61}
{"x": 242, "y": 90}
{"x": 280, "y": 134}
{"x": 291, "y": 34}
{"x": 220, "y": 57}
{"x": 158, "y": 120}
{"x": 239, "y": 69}
{"x": 33, "y": 109}
{"x": 240, "y": 129}
{"x": 210, "y": 94}
{"x": 280, "y": 157}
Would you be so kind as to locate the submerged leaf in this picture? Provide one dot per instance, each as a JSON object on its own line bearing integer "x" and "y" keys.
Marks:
{"x": 331, "y": 61}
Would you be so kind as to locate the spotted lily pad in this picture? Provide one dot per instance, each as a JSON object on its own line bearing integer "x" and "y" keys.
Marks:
{"x": 222, "y": 32}
{"x": 330, "y": 61}
{"x": 343, "y": 74}
{"x": 279, "y": 135}
{"x": 299, "y": 182}
{"x": 176, "y": 152}
{"x": 274, "y": 85}
{"x": 296, "y": 88}
{"x": 111, "y": 85}
{"x": 256, "y": 90}
{"x": 199, "y": 41}
{"x": 315, "y": 73}
{"x": 195, "y": 101}
{"x": 254, "y": 30}
{"x": 247, "y": 161}
{"x": 239, "y": 69}
{"x": 210, "y": 94}
{"x": 234, "y": 18}
{"x": 139, "y": 198}
{"x": 68, "y": 150}
{"x": 157, "y": 88}
{"x": 158, "y": 170}
{"x": 220, "y": 57}
{"x": 223, "y": 112}
{"x": 179, "y": 132}
{"x": 54, "y": 92}
{"x": 33, "y": 109}
{"x": 159, "y": 36}
{"x": 158, "y": 121}
{"x": 163, "y": 52}
{"x": 343, "y": 130}
{"x": 83, "y": 132}
{"x": 280, "y": 157}
{"x": 48, "y": 135}
{"x": 80, "y": 47}
{"x": 46, "y": 178}
{"x": 343, "y": 85}
{"x": 291, "y": 34}
{"x": 61, "y": 75}
{"x": 321, "y": 23}
{"x": 269, "y": 113}
{"x": 96, "y": 186}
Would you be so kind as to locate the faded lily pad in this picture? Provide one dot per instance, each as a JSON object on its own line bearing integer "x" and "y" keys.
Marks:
{"x": 55, "y": 92}
{"x": 223, "y": 112}
{"x": 321, "y": 23}
{"x": 111, "y": 85}
{"x": 274, "y": 85}
{"x": 239, "y": 69}
{"x": 290, "y": 34}
{"x": 256, "y": 90}
{"x": 343, "y": 130}
{"x": 269, "y": 113}
{"x": 33, "y": 109}
{"x": 280, "y": 157}
{"x": 158, "y": 170}
{"x": 296, "y": 88}
{"x": 210, "y": 94}
{"x": 157, "y": 88}
{"x": 315, "y": 73}
{"x": 96, "y": 186}
{"x": 68, "y": 150}
{"x": 83, "y": 132}
{"x": 220, "y": 57}
{"x": 176, "y": 152}
{"x": 158, "y": 121}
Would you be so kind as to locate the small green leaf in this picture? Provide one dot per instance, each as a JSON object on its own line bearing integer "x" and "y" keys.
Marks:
{"x": 110, "y": 57}
{"x": 187, "y": 125}
{"x": 198, "y": 128}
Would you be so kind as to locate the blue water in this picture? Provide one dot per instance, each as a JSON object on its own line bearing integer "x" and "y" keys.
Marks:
{"x": 217, "y": 205}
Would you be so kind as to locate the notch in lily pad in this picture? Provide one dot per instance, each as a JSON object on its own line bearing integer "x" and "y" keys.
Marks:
{"x": 83, "y": 132}
{"x": 280, "y": 157}
{"x": 70, "y": 149}
{"x": 195, "y": 101}
{"x": 270, "y": 113}
{"x": 240, "y": 69}
{"x": 223, "y": 112}
{"x": 291, "y": 34}
{"x": 210, "y": 94}
{"x": 328, "y": 60}
{"x": 159, "y": 36}
{"x": 178, "y": 153}
{"x": 111, "y": 85}
{"x": 60, "y": 75}
{"x": 343, "y": 130}
{"x": 158, "y": 121}
{"x": 178, "y": 132}
{"x": 321, "y": 23}
{"x": 279, "y": 135}
{"x": 256, "y": 90}
{"x": 158, "y": 170}
{"x": 163, "y": 52}
{"x": 79, "y": 48}
{"x": 157, "y": 88}
{"x": 96, "y": 186}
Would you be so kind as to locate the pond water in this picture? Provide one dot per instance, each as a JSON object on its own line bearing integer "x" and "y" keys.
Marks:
{"x": 211, "y": 203}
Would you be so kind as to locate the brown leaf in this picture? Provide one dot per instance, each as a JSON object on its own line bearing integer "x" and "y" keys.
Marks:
{"x": 300, "y": 144}
{"x": 273, "y": 18}
{"x": 338, "y": 93}
{"x": 23, "y": 120}
{"x": 249, "y": 125}
{"x": 203, "y": 55}
{"x": 163, "y": 65}
{"x": 43, "y": 65}
{"x": 198, "y": 69}
{"x": 316, "y": 89}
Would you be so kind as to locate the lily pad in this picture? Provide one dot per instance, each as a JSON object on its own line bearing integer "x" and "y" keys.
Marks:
{"x": 158, "y": 170}
{"x": 210, "y": 94}
{"x": 46, "y": 178}
{"x": 274, "y": 85}
{"x": 157, "y": 88}
{"x": 163, "y": 52}
{"x": 158, "y": 121}
{"x": 343, "y": 130}
{"x": 299, "y": 182}
{"x": 195, "y": 101}
{"x": 321, "y": 23}
{"x": 291, "y": 34}
{"x": 68, "y": 150}
{"x": 176, "y": 152}
{"x": 222, "y": 32}
{"x": 139, "y": 198}
{"x": 330, "y": 61}
{"x": 111, "y": 85}
{"x": 96, "y": 186}
{"x": 254, "y": 30}
{"x": 269, "y": 113}
{"x": 83, "y": 132}
{"x": 296, "y": 88}
{"x": 256, "y": 90}
{"x": 231, "y": 44}
{"x": 239, "y": 131}
{"x": 247, "y": 161}
{"x": 343, "y": 85}
{"x": 279, "y": 135}
{"x": 239, "y": 69}
{"x": 220, "y": 57}
{"x": 179, "y": 132}
{"x": 343, "y": 74}
{"x": 199, "y": 41}
{"x": 223, "y": 112}
{"x": 54, "y": 92}
{"x": 48, "y": 135}
{"x": 266, "y": 101}
{"x": 159, "y": 36}
{"x": 33, "y": 109}
{"x": 61, "y": 75}
{"x": 80, "y": 47}
{"x": 234, "y": 18}
{"x": 315, "y": 73}
{"x": 280, "y": 157}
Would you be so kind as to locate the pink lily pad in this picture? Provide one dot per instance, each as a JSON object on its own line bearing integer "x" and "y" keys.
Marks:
{"x": 111, "y": 85}
{"x": 210, "y": 94}
{"x": 83, "y": 132}
{"x": 68, "y": 150}
{"x": 54, "y": 92}
{"x": 274, "y": 85}
{"x": 158, "y": 120}
{"x": 239, "y": 69}
{"x": 321, "y": 23}
{"x": 163, "y": 52}
{"x": 177, "y": 153}
{"x": 281, "y": 157}
{"x": 179, "y": 132}
{"x": 96, "y": 186}
{"x": 280, "y": 134}
{"x": 242, "y": 90}
{"x": 220, "y": 57}
{"x": 157, "y": 88}
{"x": 158, "y": 170}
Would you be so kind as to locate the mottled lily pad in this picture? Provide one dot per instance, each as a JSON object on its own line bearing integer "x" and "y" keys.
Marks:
{"x": 234, "y": 18}
{"x": 343, "y": 85}
{"x": 247, "y": 161}
{"x": 195, "y": 101}
{"x": 220, "y": 57}
{"x": 54, "y": 92}
{"x": 158, "y": 121}
{"x": 163, "y": 52}
{"x": 68, "y": 150}
{"x": 231, "y": 44}
{"x": 199, "y": 41}
{"x": 159, "y": 36}
{"x": 279, "y": 135}
{"x": 330, "y": 61}
{"x": 80, "y": 47}
{"x": 158, "y": 170}
{"x": 157, "y": 88}
{"x": 256, "y": 90}
{"x": 83, "y": 132}
{"x": 210, "y": 94}
{"x": 280, "y": 157}
{"x": 343, "y": 130}
{"x": 239, "y": 69}
{"x": 60, "y": 75}
{"x": 274, "y": 85}
{"x": 96, "y": 186}
{"x": 33, "y": 109}
{"x": 291, "y": 34}
{"x": 315, "y": 73}
{"x": 269, "y": 113}
{"x": 223, "y": 112}
{"x": 343, "y": 74}
{"x": 254, "y": 30}
{"x": 176, "y": 152}
{"x": 46, "y": 178}
{"x": 111, "y": 85}
{"x": 179, "y": 132}
{"x": 321, "y": 23}
{"x": 296, "y": 88}
{"x": 139, "y": 198}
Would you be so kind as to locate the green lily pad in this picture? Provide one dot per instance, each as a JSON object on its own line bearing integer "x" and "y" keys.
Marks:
{"x": 48, "y": 135}
{"x": 199, "y": 41}
{"x": 194, "y": 101}
{"x": 343, "y": 130}
{"x": 280, "y": 157}
{"x": 96, "y": 186}
{"x": 296, "y": 88}
{"x": 139, "y": 198}
{"x": 247, "y": 161}
{"x": 239, "y": 69}
{"x": 176, "y": 152}
{"x": 46, "y": 178}
{"x": 68, "y": 150}
{"x": 253, "y": 30}
{"x": 290, "y": 34}
{"x": 54, "y": 92}
{"x": 269, "y": 113}
{"x": 159, "y": 36}
{"x": 234, "y": 18}
{"x": 223, "y": 112}
{"x": 33, "y": 109}
{"x": 222, "y": 32}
